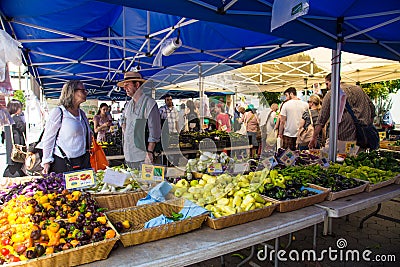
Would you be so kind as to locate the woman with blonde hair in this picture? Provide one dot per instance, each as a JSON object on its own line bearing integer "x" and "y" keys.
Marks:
{"x": 67, "y": 135}
{"x": 314, "y": 105}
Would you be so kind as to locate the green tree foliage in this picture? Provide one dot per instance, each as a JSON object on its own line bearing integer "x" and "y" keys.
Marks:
{"x": 19, "y": 95}
{"x": 267, "y": 98}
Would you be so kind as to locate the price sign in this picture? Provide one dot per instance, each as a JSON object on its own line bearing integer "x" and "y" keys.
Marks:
{"x": 153, "y": 172}
{"x": 269, "y": 162}
{"x": 240, "y": 167}
{"x": 351, "y": 148}
{"x": 79, "y": 179}
{"x": 215, "y": 168}
{"x": 115, "y": 178}
{"x": 288, "y": 157}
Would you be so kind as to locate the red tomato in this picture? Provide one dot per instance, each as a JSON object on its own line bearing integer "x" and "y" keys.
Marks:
{"x": 5, "y": 252}
{"x": 15, "y": 259}
{"x": 5, "y": 241}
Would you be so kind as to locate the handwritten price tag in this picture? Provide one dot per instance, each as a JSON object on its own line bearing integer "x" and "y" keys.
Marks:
{"x": 115, "y": 178}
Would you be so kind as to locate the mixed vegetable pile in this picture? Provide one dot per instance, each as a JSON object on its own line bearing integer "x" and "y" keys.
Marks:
{"x": 40, "y": 217}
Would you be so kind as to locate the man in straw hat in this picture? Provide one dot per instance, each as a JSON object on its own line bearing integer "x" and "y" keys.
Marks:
{"x": 141, "y": 107}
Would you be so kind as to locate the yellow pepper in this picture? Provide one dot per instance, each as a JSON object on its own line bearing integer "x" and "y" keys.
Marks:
{"x": 53, "y": 227}
{"x": 102, "y": 219}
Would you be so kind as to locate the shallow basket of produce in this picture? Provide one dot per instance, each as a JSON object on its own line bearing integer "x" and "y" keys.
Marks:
{"x": 75, "y": 256}
{"x": 395, "y": 148}
{"x": 384, "y": 144}
{"x": 397, "y": 181}
{"x": 347, "y": 192}
{"x": 298, "y": 203}
{"x": 242, "y": 217}
{"x": 371, "y": 187}
{"x": 119, "y": 201}
{"x": 139, "y": 215}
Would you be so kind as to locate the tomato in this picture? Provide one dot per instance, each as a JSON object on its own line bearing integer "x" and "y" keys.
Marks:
{"x": 6, "y": 241}
{"x": 14, "y": 259}
{"x": 5, "y": 252}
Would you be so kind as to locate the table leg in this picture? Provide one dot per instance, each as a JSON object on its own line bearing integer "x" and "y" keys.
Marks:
{"x": 315, "y": 237}
{"x": 290, "y": 241}
{"x": 330, "y": 226}
{"x": 276, "y": 261}
{"x": 326, "y": 223}
{"x": 370, "y": 215}
{"x": 248, "y": 258}
{"x": 222, "y": 261}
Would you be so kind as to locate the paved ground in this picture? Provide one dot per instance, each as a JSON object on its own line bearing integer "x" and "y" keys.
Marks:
{"x": 380, "y": 236}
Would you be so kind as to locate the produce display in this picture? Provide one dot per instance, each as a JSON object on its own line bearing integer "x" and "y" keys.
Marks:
{"x": 41, "y": 217}
{"x": 376, "y": 159}
{"x": 101, "y": 187}
{"x": 365, "y": 173}
{"x": 327, "y": 177}
{"x": 282, "y": 187}
{"x": 225, "y": 195}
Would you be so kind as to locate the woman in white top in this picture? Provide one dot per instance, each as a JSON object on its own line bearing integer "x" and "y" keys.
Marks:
{"x": 66, "y": 138}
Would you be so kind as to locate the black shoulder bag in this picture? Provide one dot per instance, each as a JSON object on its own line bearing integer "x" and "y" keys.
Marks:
{"x": 367, "y": 135}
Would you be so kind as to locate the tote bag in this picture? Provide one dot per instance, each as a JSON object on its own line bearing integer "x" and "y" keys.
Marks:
{"x": 304, "y": 135}
{"x": 98, "y": 159}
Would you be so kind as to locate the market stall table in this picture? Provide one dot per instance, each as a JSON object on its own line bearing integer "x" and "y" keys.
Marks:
{"x": 351, "y": 204}
{"x": 206, "y": 243}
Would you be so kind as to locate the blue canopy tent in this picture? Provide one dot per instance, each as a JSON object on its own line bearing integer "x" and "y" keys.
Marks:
{"x": 96, "y": 42}
{"x": 364, "y": 27}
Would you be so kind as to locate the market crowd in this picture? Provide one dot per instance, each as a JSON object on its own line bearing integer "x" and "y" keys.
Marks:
{"x": 67, "y": 135}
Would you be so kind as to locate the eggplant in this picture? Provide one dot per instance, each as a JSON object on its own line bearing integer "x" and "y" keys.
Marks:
{"x": 40, "y": 250}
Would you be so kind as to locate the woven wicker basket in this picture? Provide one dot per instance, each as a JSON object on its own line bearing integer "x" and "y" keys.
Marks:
{"x": 120, "y": 201}
{"x": 384, "y": 144}
{"x": 139, "y": 215}
{"x": 76, "y": 256}
{"x": 344, "y": 193}
{"x": 397, "y": 181}
{"x": 298, "y": 203}
{"x": 372, "y": 187}
{"x": 242, "y": 217}
{"x": 395, "y": 148}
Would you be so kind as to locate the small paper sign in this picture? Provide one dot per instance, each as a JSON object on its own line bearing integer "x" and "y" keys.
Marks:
{"x": 115, "y": 178}
{"x": 79, "y": 179}
{"x": 153, "y": 172}
{"x": 240, "y": 167}
{"x": 288, "y": 157}
{"x": 215, "y": 168}
{"x": 269, "y": 162}
{"x": 352, "y": 148}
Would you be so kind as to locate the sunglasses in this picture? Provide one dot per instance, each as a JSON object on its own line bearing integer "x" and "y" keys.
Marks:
{"x": 81, "y": 89}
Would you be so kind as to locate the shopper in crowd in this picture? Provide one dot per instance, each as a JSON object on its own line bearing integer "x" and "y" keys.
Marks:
{"x": 192, "y": 117}
{"x": 267, "y": 118}
{"x": 170, "y": 114}
{"x": 252, "y": 126}
{"x": 102, "y": 122}
{"x": 290, "y": 117}
{"x": 138, "y": 108}
{"x": 181, "y": 117}
{"x": 223, "y": 119}
{"x": 314, "y": 108}
{"x": 17, "y": 130}
{"x": 67, "y": 135}
{"x": 361, "y": 105}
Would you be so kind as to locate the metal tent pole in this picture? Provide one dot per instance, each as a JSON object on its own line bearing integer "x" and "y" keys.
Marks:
{"x": 334, "y": 111}
{"x": 201, "y": 90}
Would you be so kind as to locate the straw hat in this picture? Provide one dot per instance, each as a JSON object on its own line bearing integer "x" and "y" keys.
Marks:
{"x": 131, "y": 76}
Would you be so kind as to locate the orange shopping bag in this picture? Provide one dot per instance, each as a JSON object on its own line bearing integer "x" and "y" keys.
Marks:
{"x": 98, "y": 159}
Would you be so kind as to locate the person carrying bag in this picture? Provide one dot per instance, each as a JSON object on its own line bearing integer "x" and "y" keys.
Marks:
{"x": 304, "y": 135}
